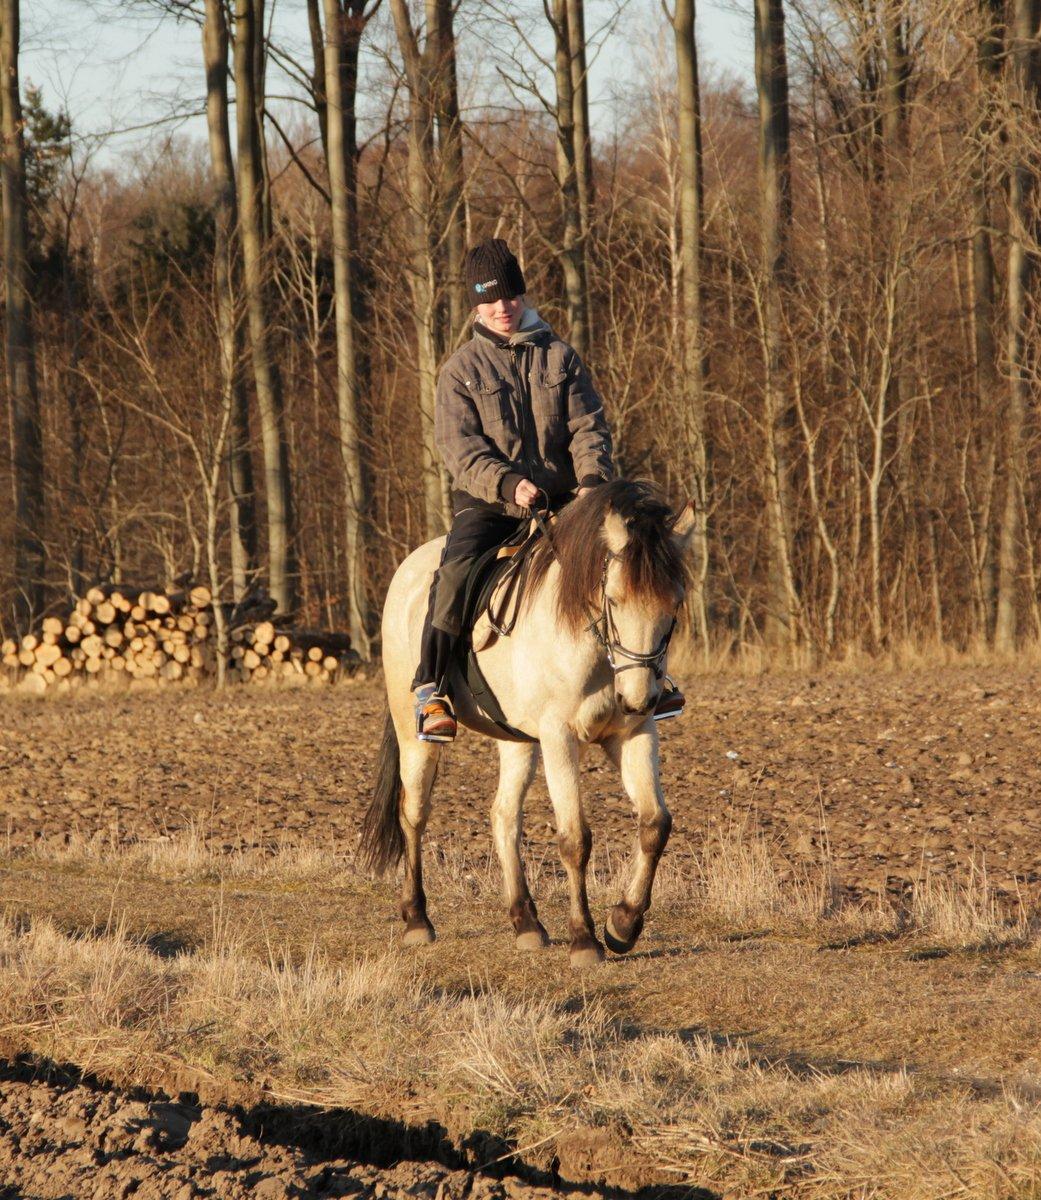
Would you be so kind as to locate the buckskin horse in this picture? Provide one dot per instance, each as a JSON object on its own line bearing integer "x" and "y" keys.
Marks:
{"x": 583, "y": 664}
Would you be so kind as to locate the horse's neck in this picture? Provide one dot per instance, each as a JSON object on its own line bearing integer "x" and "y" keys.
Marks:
{"x": 547, "y": 631}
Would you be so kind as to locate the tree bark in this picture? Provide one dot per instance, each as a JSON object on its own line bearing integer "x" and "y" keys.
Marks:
{"x": 451, "y": 177}
{"x": 422, "y": 254}
{"x": 984, "y": 301}
{"x": 254, "y": 246}
{"x": 576, "y": 25}
{"x": 314, "y": 28}
{"x": 1025, "y": 92}
{"x": 576, "y": 20}
{"x": 342, "y": 35}
{"x": 27, "y": 440}
{"x": 233, "y": 392}
{"x": 691, "y": 262}
{"x": 572, "y": 256}
{"x": 771, "y": 70}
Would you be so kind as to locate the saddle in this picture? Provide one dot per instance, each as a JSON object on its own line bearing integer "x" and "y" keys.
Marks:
{"x": 491, "y": 601}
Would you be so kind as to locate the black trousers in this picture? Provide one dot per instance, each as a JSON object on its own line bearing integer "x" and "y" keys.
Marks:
{"x": 474, "y": 530}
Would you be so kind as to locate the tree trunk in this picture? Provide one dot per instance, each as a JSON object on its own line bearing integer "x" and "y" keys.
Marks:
{"x": 254, "y": 245}
{"x": 341, "y": 29}
{"x": 895, "y": 137}
{"x": 691, "y": 258}
{"x": 314, "y": 28}
{"x": 771, "y": 69}
{"x": 576, "y": 23}
{"x": 423, "y": 259}
{"x": 1025, "y": 79}
{"x": 451, "y": 176}
{"x": 984, "y": 303}
{"x": 233, "y": 392}
{"x": 572, "y": 257}
{"x": 27, "y": 436}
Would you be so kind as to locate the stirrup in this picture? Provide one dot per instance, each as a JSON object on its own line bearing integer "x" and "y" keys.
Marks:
{"x": 672, "y": 712}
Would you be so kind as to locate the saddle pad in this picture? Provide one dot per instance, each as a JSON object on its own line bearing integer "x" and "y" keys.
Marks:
{"x": 477, "y": 631}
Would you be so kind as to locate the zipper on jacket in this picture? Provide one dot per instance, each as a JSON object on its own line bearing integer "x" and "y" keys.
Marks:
{"x": 527, "y": 417}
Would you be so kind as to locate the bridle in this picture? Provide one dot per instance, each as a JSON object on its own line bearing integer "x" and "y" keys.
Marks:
{"x": 603, "y": 629}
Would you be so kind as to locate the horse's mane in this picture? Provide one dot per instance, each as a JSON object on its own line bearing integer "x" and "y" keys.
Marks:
{"x": 653, "y": 566}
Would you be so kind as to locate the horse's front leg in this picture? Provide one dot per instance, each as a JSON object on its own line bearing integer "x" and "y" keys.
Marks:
{"x": 636, "y": 756}
{"x": 560, "y": 753}
{"x": 516, "y": 770}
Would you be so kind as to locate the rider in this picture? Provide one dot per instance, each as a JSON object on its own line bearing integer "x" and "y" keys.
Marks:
{"x": 516, "y": 418}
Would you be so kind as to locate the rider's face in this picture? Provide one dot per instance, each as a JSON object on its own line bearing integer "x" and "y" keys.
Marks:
{"x": 501, "y": 316}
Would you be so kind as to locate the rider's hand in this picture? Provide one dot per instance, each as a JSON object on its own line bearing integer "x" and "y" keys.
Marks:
{"x": 526, "y": 494}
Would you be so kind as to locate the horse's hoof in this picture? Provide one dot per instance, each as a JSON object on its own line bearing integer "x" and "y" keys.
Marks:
{"x": 615, "y": 942}
{"x": 533, "y": 939}
{"x": 418, "y": 935}
{"x": 588, "y": 955}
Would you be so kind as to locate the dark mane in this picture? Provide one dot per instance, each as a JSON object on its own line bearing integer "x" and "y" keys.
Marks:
{"x": 652, "y": 565}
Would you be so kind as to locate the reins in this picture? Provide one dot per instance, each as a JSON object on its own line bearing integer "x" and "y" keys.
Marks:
{"x": 601, "y": 626}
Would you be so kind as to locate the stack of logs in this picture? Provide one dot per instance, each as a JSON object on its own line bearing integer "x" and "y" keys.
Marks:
{"x": 118, "y": 634}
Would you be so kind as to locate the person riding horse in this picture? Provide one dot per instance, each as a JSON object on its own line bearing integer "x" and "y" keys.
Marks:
{"x": 516, "y": 418}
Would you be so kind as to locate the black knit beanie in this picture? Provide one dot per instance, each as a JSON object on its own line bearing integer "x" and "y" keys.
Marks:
{"x": 492, "y": 273}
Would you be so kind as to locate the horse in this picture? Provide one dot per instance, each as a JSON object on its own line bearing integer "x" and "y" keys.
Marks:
{"x": 583, "y": 665}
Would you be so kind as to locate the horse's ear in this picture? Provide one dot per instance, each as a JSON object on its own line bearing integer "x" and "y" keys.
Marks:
{"x": 683, "y": 529}
{"x": 616, "y": 533}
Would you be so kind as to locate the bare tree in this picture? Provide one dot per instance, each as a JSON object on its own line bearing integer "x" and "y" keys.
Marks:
{"x": 343, "y": 29}
{"x": 691, "y": 189}
{"x": 775, "y": 191}
{"x": 1024, "y": 68}
{"x": 251, "y": 192}
{"x": 225, "y": 277}
{"x": 26, "y": 432}
{"x": 572, "y": 251}
{"x": 420, "y": 72}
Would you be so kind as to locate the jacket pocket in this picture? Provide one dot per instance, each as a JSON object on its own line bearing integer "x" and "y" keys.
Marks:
{"x": 548, "y": 402}
{"x": 493, "y": 404}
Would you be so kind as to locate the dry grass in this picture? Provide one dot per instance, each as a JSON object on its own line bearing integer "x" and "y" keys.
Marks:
{"x": 736, "y": 879}
{"x": 753, "y": 659}
{"x": 403, "y": 1037}
{"x": 379, "y": 1035}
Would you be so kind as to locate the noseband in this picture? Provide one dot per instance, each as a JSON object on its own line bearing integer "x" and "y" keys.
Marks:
{"x": 603, "y": 629}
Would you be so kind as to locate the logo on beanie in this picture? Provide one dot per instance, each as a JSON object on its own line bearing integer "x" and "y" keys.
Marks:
{"x": 481, "y": 288}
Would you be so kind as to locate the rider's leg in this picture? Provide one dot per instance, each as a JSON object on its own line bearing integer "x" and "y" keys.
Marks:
{"x": 474, "y": 531}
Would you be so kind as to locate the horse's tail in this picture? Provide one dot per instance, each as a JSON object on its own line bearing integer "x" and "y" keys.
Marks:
{"x": 382, "y": 841}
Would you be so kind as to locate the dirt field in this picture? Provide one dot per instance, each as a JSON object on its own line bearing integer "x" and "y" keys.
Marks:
{"x": 203, "y": 937}
{"x": 892, "y": 771}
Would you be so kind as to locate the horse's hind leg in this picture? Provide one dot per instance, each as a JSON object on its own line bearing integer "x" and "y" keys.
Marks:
{"x": 516, "y": 770}
{"x": 637, "y": 758}
{"x": 418, "y": 768}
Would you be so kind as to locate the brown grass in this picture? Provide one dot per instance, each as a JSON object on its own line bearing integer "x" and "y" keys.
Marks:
{"x": 525, "y": 1051}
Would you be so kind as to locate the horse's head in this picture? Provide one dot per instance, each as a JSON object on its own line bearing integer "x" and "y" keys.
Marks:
{"x": 623, "y": 574}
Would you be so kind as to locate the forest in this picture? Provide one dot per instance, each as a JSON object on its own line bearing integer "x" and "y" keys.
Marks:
{"x": 808, "y": 298}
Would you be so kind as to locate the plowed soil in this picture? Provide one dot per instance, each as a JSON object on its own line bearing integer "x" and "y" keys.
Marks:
{"x": 70, "y": 1140}
{"x": 885, "y": 772}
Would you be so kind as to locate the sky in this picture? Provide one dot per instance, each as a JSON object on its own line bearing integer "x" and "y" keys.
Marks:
{"x": 119, "y": 69}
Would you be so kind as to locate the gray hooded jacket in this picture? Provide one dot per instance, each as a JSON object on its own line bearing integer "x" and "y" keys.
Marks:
{"x": 518, "y": 408}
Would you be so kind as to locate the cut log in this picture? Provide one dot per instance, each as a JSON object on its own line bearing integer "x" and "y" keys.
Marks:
{"x": 53, "y": 625}
{"x": 105, "y": 612}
